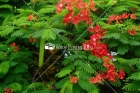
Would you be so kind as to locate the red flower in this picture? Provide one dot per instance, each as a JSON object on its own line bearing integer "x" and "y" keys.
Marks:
{"x": 68, "y": 18}
{"x": 118, "y": 19}
{"x": 73, "y": 79}
{"x": 121, "y": 74}
{"x": 111, "y": 18}
{"x": 24, "y": 26}
{"x": 86, "y": 45}
{"x": 13, "y": 44}
{"x": 92, "y": 5}
{"x": 16, "y": 49}
{"x": 125, "y": 15}
{"x": 59, "y": 7}
{"x": 133, "y": 16}
{"x": 97, "y": 79}
{"x": 30, "y": 17}
{"x": 132, "y": 32}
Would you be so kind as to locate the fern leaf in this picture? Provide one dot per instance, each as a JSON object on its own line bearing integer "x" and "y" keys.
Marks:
{"x": 41, "y": 91}
{"x": 15, "y": 86}
{"x": 134, "y": 43}
{"x": 20, "y": 68}
{"x": 134, "y": 86}
{"x": 67, "y": 87}
{"x": 4, "y": 67}
{"x": 35, "y": 85}
{"x": 135, "y": 76}
{"x": 122, "y": 49}
{"x": 63, "y": 73}
{"x": 6, "y": 6}
{"x": 61, "y": 82}
{"x": 7, "y": 31}
{"x": 3, "y": 47}
{"x": 87, "y": 68}
{"x": 123, "y": 39}
{"x": 112, "y": 35}
{"x": 49, "y": 34}
{"x": 85, "y": 85}
{"x": 18, "y": 33}
{"x": 66, "y": 61}
{"x": 46, "y": 10}
{"x": 120, "y": 9}
{"x": 94, "y": 59}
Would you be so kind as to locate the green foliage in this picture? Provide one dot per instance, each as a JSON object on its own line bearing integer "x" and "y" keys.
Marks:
{"x": 4, "y": 67}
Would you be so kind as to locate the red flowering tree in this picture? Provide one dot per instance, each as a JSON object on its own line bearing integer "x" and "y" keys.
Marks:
{"x": 97, "y": 47}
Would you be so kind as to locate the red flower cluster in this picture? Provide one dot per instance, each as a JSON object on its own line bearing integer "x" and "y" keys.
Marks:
{"x": 8, "y": 90}
{"x": 111, "y": 74}
{"x": 100, "y": 50}
{"x": 118, "y": 18}
{"x": 97, "y": 79}
{"x": 30, "y": 17}
{"x": 32, "y": 39}
{"x": 78, "y": 11}
{"x": 15, "y": 46}
{"x": 73, "y": 79}
{"x": 132, "y": 32}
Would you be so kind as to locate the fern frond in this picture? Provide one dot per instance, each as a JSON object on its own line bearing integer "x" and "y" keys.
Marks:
{"x": 67, "y": 87}
{"x": 134, "y": 86}
{"x": 15, "y": 86}
{"x": 4, "y": 67}
{"x": 121, "y": 8}
{"x": 35, "y": 85}
{"x": 122, "y": 49}
{"x": 18, "y": 33}
{"x": 7, "y": 30}
{"x": 7, "y": 6}
{"x": 20, "y": 68}
{"x": 61, "y": 82}
{"x": 85, "y": 85}
{"x": 63, "y": 73}
{"x": 41, "y": 91}
{"x": 135, "y": 76}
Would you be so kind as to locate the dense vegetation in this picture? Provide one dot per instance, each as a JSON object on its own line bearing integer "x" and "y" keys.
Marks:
{"x": 97, "y": 46}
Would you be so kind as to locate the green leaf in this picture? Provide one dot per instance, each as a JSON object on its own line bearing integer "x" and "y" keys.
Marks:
{"x": 122, "y": 49}
{"x": 35, "y": 85}
{"x": 4, "y": 67}
{"x": 112, "y": 35}
{"x": 134, "y": 43}
{"x": 134, "y": 86}
{"x": 48, "y": 34}
{"x": 85, "y": 84}
{"x": 123, "y": 39}
{"x": 7, "y": 31}
{"x": 67, "y": 87}
{"x": 20, "y": 68}
{"x": 94, "y": 59}
{"x": 63, "y": 73}
{"x": 62, "y": 82}
{"x": 19, "y": 33}
{"x": 135, "y": 76}
{"x": 16, "y": 86}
